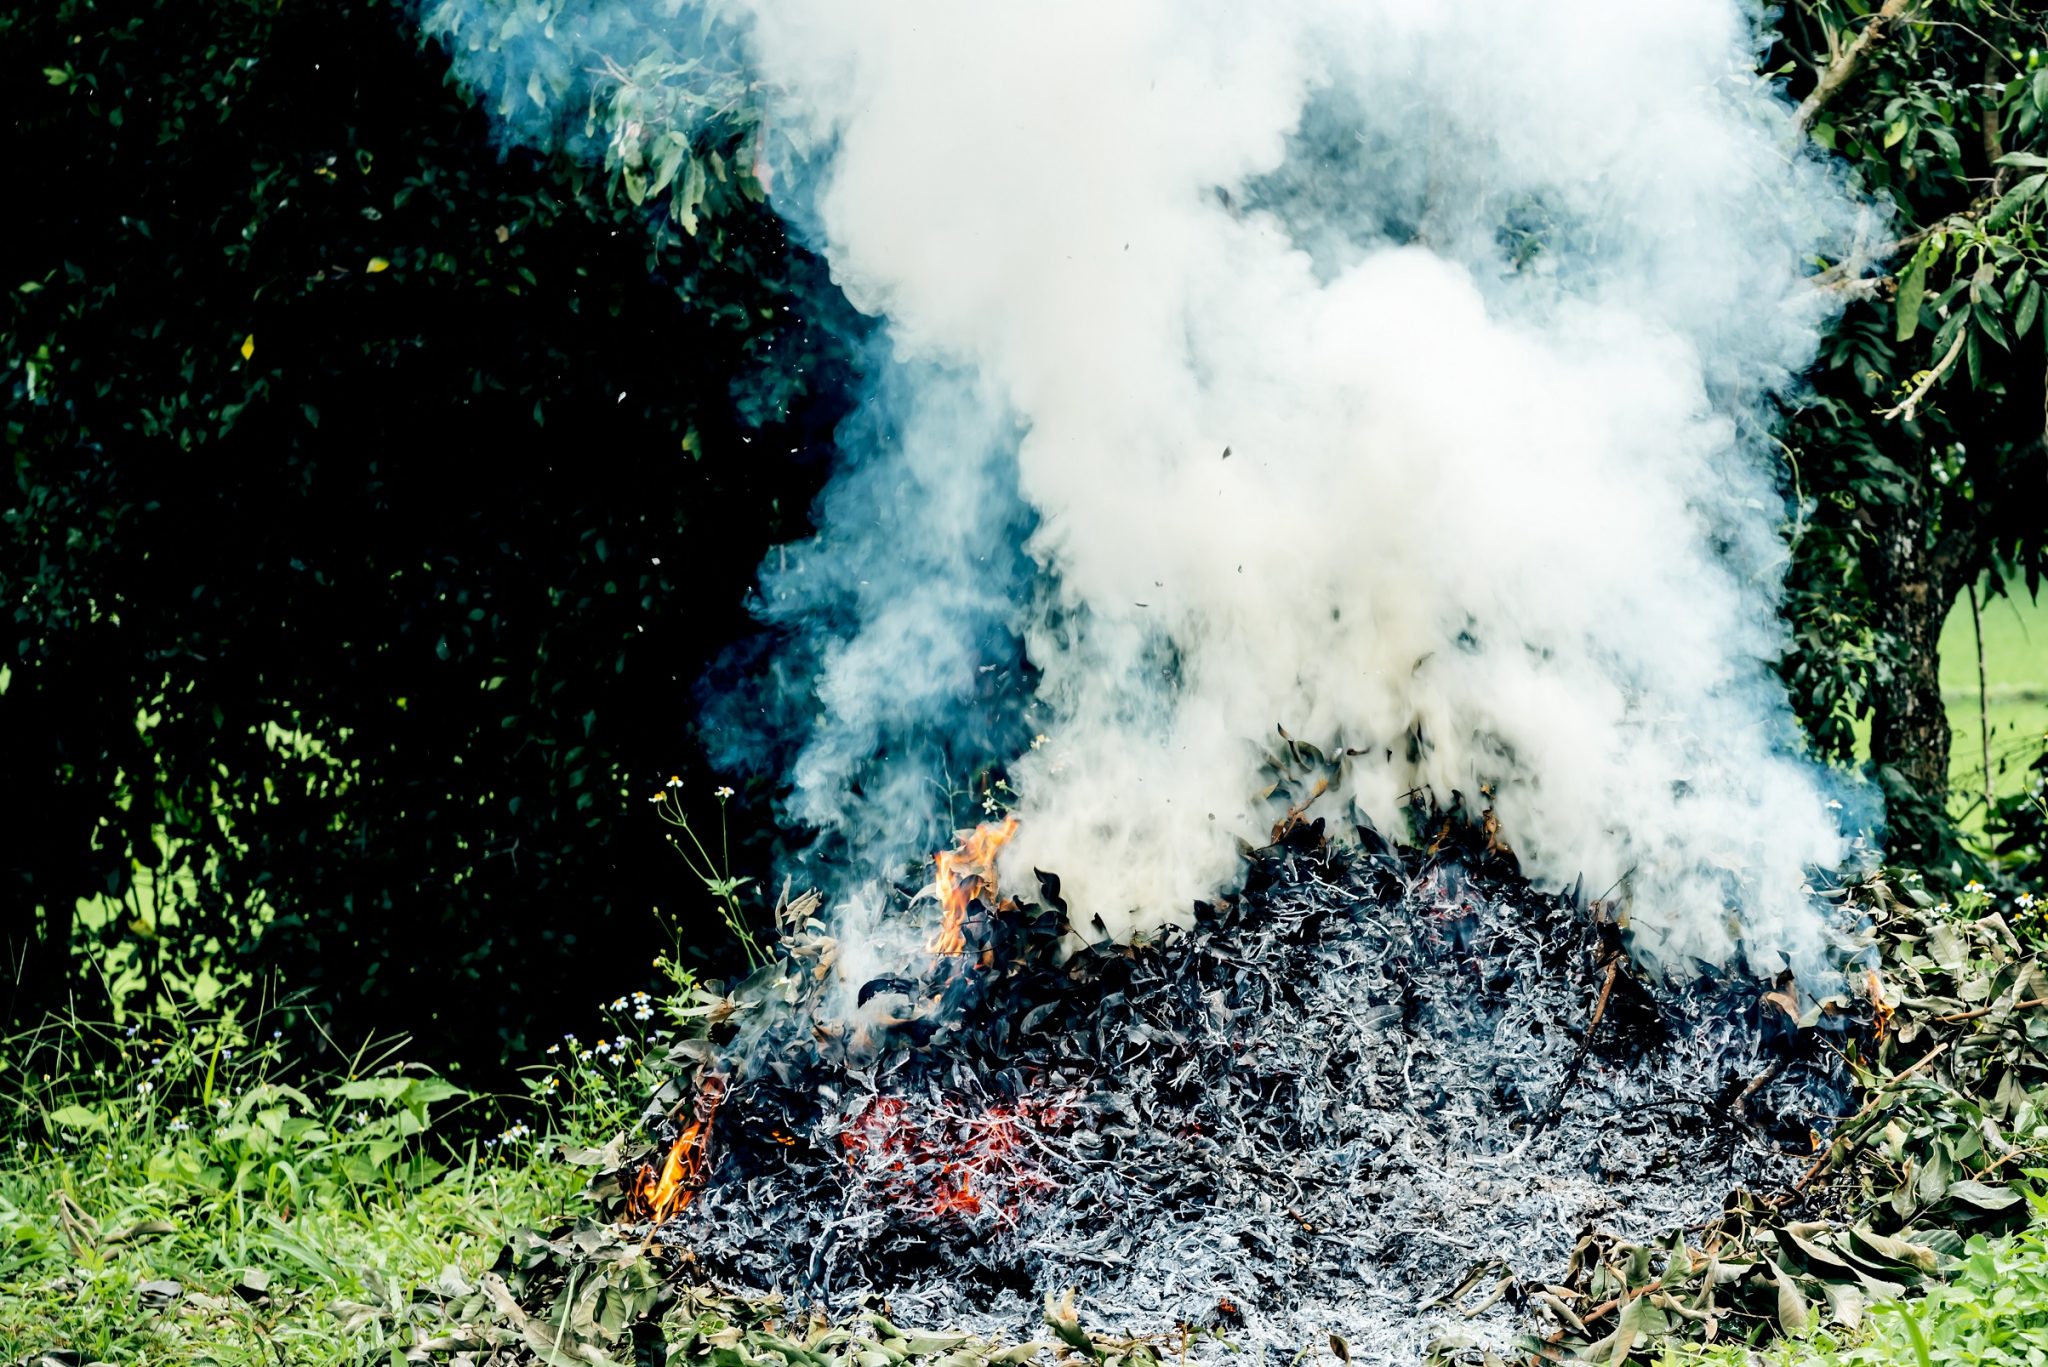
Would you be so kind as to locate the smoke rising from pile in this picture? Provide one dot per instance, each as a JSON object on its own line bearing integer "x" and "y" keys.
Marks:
{"x": 1397, "y": 374}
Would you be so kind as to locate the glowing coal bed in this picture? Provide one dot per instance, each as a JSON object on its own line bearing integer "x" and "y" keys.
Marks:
{"x": 1325, "y": 1107}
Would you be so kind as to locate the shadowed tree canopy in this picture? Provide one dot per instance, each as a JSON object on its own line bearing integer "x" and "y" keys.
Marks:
{"x": 1919, "y": 466}
{"x": 375, "y": 502}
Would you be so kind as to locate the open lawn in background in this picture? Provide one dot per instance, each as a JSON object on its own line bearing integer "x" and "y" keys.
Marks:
{"x": 2015, "y": 631}
{"x": 2015, "y": 698}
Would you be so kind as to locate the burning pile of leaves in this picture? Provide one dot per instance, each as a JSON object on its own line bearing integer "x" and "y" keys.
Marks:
{"x": 1391, "y": 1102}
{"x": 1388, "y": 1090}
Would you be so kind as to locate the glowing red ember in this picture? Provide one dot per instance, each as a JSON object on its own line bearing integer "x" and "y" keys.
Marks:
{"x": 941, "y": 1159}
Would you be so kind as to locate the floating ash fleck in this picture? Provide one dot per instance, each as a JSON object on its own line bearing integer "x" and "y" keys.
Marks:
{"x": 1363, "y": 1087}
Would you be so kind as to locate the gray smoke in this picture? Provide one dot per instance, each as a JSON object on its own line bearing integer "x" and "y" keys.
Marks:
{"x": 1398, "y": 374}
{"x": 1486, "y": 302}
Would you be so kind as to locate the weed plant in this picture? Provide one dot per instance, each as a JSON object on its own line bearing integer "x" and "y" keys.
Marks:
{"x": 174, "y": 1191}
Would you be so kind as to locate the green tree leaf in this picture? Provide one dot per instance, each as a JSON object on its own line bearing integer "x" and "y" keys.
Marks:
{"x": 77, "y": 1117}
{"x": 1912, "y": 289}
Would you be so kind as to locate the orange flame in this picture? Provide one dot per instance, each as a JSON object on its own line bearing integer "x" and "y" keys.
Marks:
{"x": 1881, "y": 1010}
{"x": 963, "y": 875}
{"x": 658, "y": 1198}
{"x": 964, "y": 1201}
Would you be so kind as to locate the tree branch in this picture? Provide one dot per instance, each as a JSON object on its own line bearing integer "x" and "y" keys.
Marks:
{"x": 1953, "y": 561}
{"x": 1843, "y": 68}
{"x": 1994, "y": 138}
{"x": 1911, "y": 404}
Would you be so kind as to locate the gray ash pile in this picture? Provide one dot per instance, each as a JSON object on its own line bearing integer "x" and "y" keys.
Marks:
{"x": 1361, "y": 1096}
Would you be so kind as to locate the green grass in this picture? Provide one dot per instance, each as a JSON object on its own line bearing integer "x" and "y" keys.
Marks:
{"x": 2016, "y": 691}
{"x": 163, "y": 1200}
{"x": 2016, "y": 678}
{"x": 1992, "y": 1311}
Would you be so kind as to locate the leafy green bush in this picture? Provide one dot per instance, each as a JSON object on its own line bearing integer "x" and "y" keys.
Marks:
{"x": 1992, "y": 1310}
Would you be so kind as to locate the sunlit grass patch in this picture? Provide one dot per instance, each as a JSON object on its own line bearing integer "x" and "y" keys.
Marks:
{"x": 169, "y": 1197}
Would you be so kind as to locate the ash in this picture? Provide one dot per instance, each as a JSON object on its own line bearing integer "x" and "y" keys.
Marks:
{"x": 1361, "y": 1097}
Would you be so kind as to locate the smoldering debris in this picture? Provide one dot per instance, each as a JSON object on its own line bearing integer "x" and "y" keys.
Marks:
{"x": 1360, "y": 1097}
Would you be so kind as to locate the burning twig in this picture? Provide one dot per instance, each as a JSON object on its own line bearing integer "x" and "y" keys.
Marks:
{"x": 963, "y": 875}
{"x": 939, "y": 1161}
{"x": 656, "y": 1198}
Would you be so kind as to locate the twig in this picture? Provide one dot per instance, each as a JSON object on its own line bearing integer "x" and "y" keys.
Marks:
{"x": 1763, "y": 1079}
{"x": 1571, "y": 1073}
{"x": 1844, "y": 272}
{"x": 1942, "y": 367}
{"x": 1845, "y": 65}
{"x": 1597, "y": 1311}
{"x": 1828, "y": 1154}
{"x": 2027, "y": 1005}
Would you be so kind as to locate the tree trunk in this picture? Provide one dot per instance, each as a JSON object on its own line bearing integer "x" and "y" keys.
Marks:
{"x": 1909, "y": 730}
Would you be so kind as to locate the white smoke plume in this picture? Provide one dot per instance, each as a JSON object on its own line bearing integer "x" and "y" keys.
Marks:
{"x": 1397, "y": 373}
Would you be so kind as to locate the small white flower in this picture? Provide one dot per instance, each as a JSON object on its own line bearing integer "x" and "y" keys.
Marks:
{"x": 143, "y": 1089}
{"x": 722, "y": 793}
{"x": 674, "y": 782}
{"x": 644, "y": 1013}
{"x": 1833, "y": 805}
{"x": 604, "y": 1046}
{"x": 178, "y": 1126}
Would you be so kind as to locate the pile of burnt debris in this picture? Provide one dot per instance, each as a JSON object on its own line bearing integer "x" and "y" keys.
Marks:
{"x": 1382, "y": 1090}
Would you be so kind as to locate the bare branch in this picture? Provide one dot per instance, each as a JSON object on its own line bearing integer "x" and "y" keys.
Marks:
{"x": 1994, "y": 140}
{"x": 1845, "y": 65}
{"x": 1911, "y": 405}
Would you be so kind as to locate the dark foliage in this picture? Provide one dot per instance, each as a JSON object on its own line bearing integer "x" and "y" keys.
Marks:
{"x": 1917, "y": 468}
{"x": 376, "y": 501}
